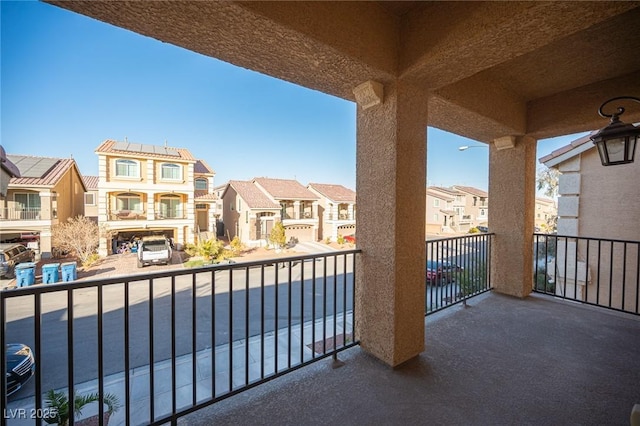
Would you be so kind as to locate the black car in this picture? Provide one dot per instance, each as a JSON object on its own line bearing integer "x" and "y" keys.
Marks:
{"x": 20, "y": 366}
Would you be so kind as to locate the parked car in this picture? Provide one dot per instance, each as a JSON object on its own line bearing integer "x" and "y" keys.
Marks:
{"x": 441, "y": 272}
{"x": 20, "y": 366}
{"x": 11, "y": 255}
{"x": 154, "y": 249}
{"x": 484, "y": 229}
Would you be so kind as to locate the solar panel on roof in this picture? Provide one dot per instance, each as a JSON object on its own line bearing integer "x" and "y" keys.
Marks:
{"x": 134, "y": 147}
{"x": 120, "y": 146}
{"x": 35, "y": 167}
{"x": 148, "y": 149}
{"x": 172, "y": 152}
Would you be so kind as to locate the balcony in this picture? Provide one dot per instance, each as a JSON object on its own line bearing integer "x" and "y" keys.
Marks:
{"x": 211, "y": 333}
{"x": 127, "y": 215}
{"x": 26, "y": 213}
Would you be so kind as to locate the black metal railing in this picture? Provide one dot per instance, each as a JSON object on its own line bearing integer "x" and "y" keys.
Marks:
{"x": 457, "y": 269}
{"x": 595, "y": 271}
{"x": 170, "y": 343}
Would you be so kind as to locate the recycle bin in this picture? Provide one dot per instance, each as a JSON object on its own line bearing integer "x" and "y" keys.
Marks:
{"x": 50, "y": 273}
{"x": 69, "y": 272}
{"x": 25, "y": 274}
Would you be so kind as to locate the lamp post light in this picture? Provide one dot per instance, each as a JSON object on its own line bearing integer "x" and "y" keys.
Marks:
{"x": 466, "y": 147}
{"x": 616, "y": 143}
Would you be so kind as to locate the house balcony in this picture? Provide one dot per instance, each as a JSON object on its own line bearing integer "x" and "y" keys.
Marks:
{"x": 27, "y": 213}
{"x": 127, "y": 215}
{"x": 277, "y": 330}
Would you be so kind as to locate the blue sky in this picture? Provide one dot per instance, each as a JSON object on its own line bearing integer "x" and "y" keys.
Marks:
{"x": 70, "y": 82}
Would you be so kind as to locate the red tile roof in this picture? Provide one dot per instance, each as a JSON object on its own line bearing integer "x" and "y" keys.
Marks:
{"x": 204, "y": 196}
{"x": 285, "y": 189}
{"x": 50, "y": 177}
{"x": 442, "y": 189}
{"x": 336, "y": 193}
{"x": 109, "y": 147}
{"x": 252, "y": 195}
{"x": 564, "y": 149}
{"x": 439, "y": 195}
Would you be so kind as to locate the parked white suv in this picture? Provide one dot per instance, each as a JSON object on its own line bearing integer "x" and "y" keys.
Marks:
{"x": 154, "y": 249}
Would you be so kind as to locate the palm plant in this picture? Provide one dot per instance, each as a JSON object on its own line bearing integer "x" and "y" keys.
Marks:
{"x": 58, "y": 402}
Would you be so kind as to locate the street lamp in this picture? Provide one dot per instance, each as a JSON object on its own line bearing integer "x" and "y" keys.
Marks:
{"x": 616, "y": 143}
{"x": 466, "y": 147}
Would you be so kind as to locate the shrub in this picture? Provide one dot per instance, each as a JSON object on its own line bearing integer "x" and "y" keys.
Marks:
{"x": 79, "y": 235}
{"x": 340, "y": 239}
{"x": 236, "y": 246}
{"x": 277, "y": 236}
{"x": 207, "y": 249}
{"x": 474, "y": 230}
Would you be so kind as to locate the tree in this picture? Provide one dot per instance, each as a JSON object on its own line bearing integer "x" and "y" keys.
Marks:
{"x": 547, "y": 180}
{"x": 79, "y": 235}
{"x": 277, "y": 236}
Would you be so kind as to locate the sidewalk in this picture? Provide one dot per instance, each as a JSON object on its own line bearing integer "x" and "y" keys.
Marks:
{"x": 140, "y": 377}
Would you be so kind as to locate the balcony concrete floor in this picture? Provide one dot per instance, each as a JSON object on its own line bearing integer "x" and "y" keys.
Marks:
{"x": 501, "y": 361}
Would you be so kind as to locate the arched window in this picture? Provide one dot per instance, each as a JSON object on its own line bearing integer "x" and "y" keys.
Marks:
{"x": 171, "y": 171}
{"x": 170, "y": 206}
{"x": 201, "y": 184}
{"x": 127, "y": 168}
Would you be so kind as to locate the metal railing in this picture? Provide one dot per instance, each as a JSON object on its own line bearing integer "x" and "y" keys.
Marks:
{"x": 184, "y": 339}
{"x": 26, "y": 213}
{"x": 457, "y": 268}
{"x": 594, "y": 271}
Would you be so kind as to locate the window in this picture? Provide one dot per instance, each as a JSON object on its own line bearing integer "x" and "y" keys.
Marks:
{"x": 27, "y": 201}
{"x": 201, "y": 207}
{"x": 128, "y": 201}
{"x": 170, "y": 206}
{"x": 436, "y": 203}
{"x": 127, "y": 168}
{"x": 171, "y": 171}
{"x": 89, "y": 199}
{"x": 239, "y": 204}
{"x": 435, "y": 217}
{"x": 201, "y": 184}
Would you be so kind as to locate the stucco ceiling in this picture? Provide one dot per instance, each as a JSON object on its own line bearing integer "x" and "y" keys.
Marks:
{"x": 490, "y": 69}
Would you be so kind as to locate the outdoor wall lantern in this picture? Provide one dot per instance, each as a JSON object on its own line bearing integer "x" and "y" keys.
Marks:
{"x": 616, "y": 143}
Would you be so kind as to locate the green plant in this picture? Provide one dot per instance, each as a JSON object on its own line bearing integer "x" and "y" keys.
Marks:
{"x": 58, "y": 403}
{"x": 277, "y": 237}
{"x": 236, "y": 246}
{"x": 207, "y": 249}
{"x": 92, "y": 259}
{"x": 327, "y": 240}
{"x": 340, "y": 239}
{"x": 474, "y": 230}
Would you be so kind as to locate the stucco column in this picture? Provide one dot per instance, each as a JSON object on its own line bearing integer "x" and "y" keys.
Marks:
{"x": 512, "y": 173}
{"x": 391, "y": 182}
{"x": 296, "y": 210}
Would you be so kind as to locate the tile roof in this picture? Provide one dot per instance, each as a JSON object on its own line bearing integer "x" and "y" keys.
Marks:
{"x": 252, "y": 195}
{"x": 91, "y": 182}
{"x": 334, "y": 192}
{"x": 136, "y": 150}
{"x": 39, "y": 171}
{"x": 285, "y": 189}
{"x": 201, "y": 167}
{"x": 471, "y": 190}
{"x": 569, "y": 147}
{"x": 449, "y": 191}
{"x": 439, "y": 195}
{"x": 204, "y": 196}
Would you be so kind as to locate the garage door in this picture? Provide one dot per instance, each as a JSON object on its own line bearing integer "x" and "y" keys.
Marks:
{"x": 301, "y": 232}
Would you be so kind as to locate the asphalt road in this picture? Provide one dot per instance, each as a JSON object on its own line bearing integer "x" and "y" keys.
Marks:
{"x": 242, "y": 305}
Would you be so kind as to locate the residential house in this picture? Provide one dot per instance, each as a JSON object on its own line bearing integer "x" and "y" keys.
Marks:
{"x": 546, "y": 214}
{"x": 440, "y": 215}
{"x": 298, "y": 206}
{"x": 597, "y": 202}
{"x": 336, "y": 210}
{"x": 476, "y": 206}
{"x": 91, "y": 197}
{"x": 48, "y": 191}
{"x": 149, "y": 189}
{"x": 206, "y": 200}
{"x": 248, "y": 213}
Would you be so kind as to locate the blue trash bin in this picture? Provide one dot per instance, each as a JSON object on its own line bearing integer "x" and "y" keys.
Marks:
{"x": 69, "y": 272}
{"x": 50, "y": 273}
{"x": 25, "y": 274}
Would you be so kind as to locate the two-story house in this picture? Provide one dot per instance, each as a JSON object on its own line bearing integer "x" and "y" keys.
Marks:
{"x": 440, "y": 213}
{"x": 48, "y": 191}
{"x": 476, "y": 206}
{"x": 336, "y": 210}
{"x": 149, "y": 189}
{"x": 248, "y": 213}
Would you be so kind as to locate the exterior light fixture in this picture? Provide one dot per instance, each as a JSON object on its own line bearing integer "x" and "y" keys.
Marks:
{"x": 616, "y": 143}
{"x": 466, "y": 147}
